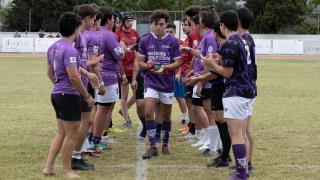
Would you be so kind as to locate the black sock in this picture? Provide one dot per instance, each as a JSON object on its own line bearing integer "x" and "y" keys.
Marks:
{"x": 226, "y": 141}
{"x": 158, "y": 130}
{"x": 143, "y": 122}
{"x": 110, "y": 126}
{"x": 90, "y": 135}
{"x": 192, "y": 128}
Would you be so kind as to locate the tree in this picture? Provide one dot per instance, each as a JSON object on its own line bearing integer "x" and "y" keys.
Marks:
{"x": 273, "y": 16}
{"x": 44, "y": 13}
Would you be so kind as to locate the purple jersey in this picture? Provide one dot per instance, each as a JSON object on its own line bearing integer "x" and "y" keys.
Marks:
{"x": 113, "y": 54}
{"x": 253, "y": 64}
{"x": 207, "y": 45}
{"x": 62, "y": 55}
{"x": 94, "y": 42}
{"x": 162, "y": 51}
{"x": 81, "y": 46}
{"x": 234, "y": 54}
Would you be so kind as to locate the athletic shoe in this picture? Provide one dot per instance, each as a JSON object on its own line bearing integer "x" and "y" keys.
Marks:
{"x": 95, "y": 152}
{"x": 205, "y": 145}
{"x": 234, "y": 176}
{"x": 81, "y": 164}
{"x": 165, "y": 151}
{"x": 198, "y": 144}
{"x": 218, "y": 163}
{"x": 250, "y": 171}
{"x": 208, "y": 152}
{"x": 102, "y": 147}
{"x": 184, "y": 128}
{"x": 150, "y": 153}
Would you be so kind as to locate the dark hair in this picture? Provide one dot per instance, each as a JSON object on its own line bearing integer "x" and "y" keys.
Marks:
{"x": 107, "y": 14}
{"x": 230, "y": 20}
{"x": 85, "y": 10}
{"x": 208, "y": 18}
{"x": 192, "y": 11}
{"x": 159, "y": 14}
{"x": 171, "y": 25}
{"x": 68, "y": 23}
{"x": 196, "y": 19}
{"x": 216, "y": 28}
{"x": 117, "y": 14}
{"x": 99, "y": 16}
{"x": 184, "y": 19}
{"x": 245, "y": 17}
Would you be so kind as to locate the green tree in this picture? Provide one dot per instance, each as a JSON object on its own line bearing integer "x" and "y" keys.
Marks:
{"x": 272, "y": 16}
{"x": 44, "y": 13}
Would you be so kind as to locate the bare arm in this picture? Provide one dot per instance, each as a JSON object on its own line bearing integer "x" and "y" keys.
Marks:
{"x": 50, "y": 73}
{"x": 173, "y": 66}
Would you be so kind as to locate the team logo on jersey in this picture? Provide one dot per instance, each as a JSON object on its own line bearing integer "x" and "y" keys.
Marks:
{"x": 95, "y": 49}
{"x": 73, "y": 59}
{"x": 195, "y": 43}
{"x": 151, "y": 46}
{"x": 166, "y": 47}
{"x": 119, "y": 51}
{"x": 210, "y": 49}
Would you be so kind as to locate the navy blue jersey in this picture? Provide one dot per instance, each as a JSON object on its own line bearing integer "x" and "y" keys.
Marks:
{"x": 234, "y": 54}
{"x": 253, "y": 65}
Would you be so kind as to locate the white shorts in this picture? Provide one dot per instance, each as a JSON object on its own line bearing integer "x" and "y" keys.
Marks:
{"x": 165, "y": 98}
{"x": 111, "y": 95}
{"x": 194, "y": 94}
{"x": 250, "y": 108}
{"x": 236, "y": 107}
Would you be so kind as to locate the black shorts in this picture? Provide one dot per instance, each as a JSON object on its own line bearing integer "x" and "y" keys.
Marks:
{"x": 189, "y": 92}
{"x": 91, "y": 91}
{"x": 216, "y": 99}
{"x": 105, "y": 104}
{"x": 84, "y": 105}
{"x": 67, "y": 106}
{"x": 140, "y": 87}
{"x": 205, "y": 94}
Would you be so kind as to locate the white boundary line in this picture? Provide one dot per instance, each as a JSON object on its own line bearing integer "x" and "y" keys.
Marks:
{"x": 141, "y": 165}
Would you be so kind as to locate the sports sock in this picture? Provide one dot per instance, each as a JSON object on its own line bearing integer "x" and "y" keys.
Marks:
{"x": 158, "y": 131}
{"x": 239, "y": 151}
{"x": 96, "y": 140}
{"x": 76, "y": 154}
{"x": 89, "y": 135}
{"x": 166, "y": 128}
{"x": 151, "y": 127}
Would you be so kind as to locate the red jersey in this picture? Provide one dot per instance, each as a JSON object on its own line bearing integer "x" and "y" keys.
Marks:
{"x": 191, "y": 41}
{"x": 130, "y": 40}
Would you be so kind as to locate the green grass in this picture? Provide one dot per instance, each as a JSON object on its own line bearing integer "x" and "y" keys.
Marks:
{"x": 285, "y": 123}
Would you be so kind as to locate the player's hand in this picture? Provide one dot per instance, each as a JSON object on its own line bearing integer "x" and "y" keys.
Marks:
{"x": 125, "y": 81}
{"x": 190, "y": 73}
{"x": 101, "y": 90}
{"x": 192, "y": 80}
{"x": 185, "y": 49}
{"x": 150, "y": 65}
{"x": 199, "y": 89}
{"x": 97, "y": 67}
{"x": 89, "y": 100}
{"x": 94, "y": 80}
{"x": 99, "y": 57}
{"x": 134, "y": 84}
{"x": 165, "y": 69}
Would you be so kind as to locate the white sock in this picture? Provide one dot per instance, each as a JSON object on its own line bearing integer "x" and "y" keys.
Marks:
{"x": 214, "y": 137}
{"x": 206, "y": 134}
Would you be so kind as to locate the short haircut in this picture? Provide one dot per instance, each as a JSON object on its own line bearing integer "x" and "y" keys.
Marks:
{"x": 68, "y": 23}
{"x": 99, "y": 16}
{"x": 216, "y": 28}
{"x": 107, "y": 14}
{"x": 171, "y": 25}
{"x": 230, "y": 20}
{"x": 185, "y": 20}
{"x": 208, "y": 18}
{"x": 192, "y": 11}
{"x": 159, "y": 14}
{"x": 196, "y": 19}
{"x": 85, "y": 10}
{"x": 245, "y": 17}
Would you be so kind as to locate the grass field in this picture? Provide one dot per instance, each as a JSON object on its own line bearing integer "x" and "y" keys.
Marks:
{"x": 286, "y": 127}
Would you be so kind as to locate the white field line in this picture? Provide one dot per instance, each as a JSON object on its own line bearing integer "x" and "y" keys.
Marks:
{"x": 141, "y": 165}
